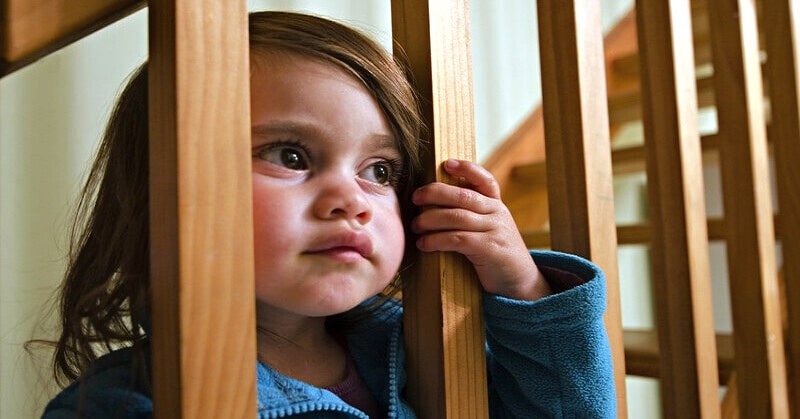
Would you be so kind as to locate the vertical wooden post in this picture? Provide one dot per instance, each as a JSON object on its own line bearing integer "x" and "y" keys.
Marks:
{"x": 681, "y": 271}
{"x": 781, "y": 26}
{"x": 443, "y": 320}
{"x": 578, "y": 150}
{"x": 758, "y": 337}
{"x": 203, "y": 304}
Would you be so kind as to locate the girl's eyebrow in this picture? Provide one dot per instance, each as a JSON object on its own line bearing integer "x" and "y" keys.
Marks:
{"x": 380, "y": 140}
{"x": 284, "y": 127}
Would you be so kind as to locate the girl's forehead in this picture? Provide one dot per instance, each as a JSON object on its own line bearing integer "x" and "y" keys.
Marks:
{"x": 292, "y": 63}
{"x": 266, "y": 60}
{"x": 300, "y": 90}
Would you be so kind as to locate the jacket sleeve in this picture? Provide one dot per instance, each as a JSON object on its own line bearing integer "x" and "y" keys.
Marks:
{"x": 101, "y": 403}
{"x": 107, "y": 391}
{"x": 551, "y": 358}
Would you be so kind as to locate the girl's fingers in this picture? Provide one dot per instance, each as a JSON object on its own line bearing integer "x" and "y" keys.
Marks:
{"x": 479, "y": 193}
{"x": 477, "y": 177}
{"x": 444, "y": 219}
{"x": 450, "y": 196}
{"x": 467, "y": 243}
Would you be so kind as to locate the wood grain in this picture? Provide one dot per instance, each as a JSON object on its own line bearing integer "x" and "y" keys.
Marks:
{"x": 443, "y": 315}
{"x": 760, "y": 359}
{"x": 679, "y": 241}
{"x": 203, "y": 301}
{"x": 580, "y": 181}
{"x": 781, "y": 21}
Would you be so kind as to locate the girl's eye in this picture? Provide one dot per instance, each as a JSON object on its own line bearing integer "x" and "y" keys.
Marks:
{"x": 290, "y": 157}
{"x": 384, "y": 173}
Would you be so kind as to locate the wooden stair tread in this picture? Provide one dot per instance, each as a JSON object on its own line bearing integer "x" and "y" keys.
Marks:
{"x": 624, "y": 160}
{"x": 627, "y": 66}
{"x": 625, "y": 106}
{"x": 642, "y": 354}
{"x": 630, "y": 234}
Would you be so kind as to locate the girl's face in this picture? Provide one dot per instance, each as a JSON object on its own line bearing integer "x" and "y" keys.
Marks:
{"x": 327, "y": 226}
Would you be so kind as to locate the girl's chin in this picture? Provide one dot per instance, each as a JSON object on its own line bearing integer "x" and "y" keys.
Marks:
{"x": 317, "y": 301}
{"x": 312, "y": 309}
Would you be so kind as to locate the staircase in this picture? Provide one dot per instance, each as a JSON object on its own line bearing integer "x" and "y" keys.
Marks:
{"x": 751, "y": 362}
{"x": 519, "y": 165}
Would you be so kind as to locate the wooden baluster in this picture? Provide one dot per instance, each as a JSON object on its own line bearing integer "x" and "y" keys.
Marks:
{"x": 578, "y": 150}
{"x": 781, "y": 26}
{"x": 681, "y": 271}
{"x": 203, "y": 306}
{"x": 760, "y": 360}
{"x": 443, "y": 321}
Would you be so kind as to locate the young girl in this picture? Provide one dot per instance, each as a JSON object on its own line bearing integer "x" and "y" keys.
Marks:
{"x": 335, "y": 129}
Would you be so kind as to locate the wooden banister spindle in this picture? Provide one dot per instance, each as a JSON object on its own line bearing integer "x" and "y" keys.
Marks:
{"x": 758, "y": 337}
{"x": 681, "y": 271}
{"x": 203, "y": 301}
{"x": 781, "y": 21}
{"x": 578, "y": 150}
{"x": 443, "y": 321}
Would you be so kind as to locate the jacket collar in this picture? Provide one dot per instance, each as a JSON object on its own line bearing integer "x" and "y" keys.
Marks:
{"x": 376, "y": 347}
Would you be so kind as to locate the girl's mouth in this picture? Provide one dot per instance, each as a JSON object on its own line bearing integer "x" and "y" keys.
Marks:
{"x": 347, "y": 246}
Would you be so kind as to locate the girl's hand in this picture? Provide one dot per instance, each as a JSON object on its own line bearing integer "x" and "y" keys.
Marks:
{"x": 473, "y": 221}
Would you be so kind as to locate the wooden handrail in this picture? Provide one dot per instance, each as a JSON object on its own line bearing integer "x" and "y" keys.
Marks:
{"x": 29, "y": 30}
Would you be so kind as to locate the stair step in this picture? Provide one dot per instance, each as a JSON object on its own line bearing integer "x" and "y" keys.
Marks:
{"x": 627, "y": 66}
{"x": 628, "y": 234}
{"x": 626, "y": 106}
{"x": 642, "y": 354}
{"x": 624, "y": 161}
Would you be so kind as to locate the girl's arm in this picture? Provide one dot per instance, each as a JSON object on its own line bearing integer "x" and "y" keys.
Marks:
{"x": 548, "y": 352}
{"x": 550, "y": 358}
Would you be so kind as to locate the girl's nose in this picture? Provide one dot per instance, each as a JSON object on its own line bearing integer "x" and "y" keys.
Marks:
{"x": 343, "y": 198}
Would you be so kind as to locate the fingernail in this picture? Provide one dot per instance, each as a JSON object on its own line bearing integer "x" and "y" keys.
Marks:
{"x": 451, "y": 163}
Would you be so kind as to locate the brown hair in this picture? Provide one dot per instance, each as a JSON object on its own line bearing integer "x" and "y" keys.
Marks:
{"x": 105, "y": 293}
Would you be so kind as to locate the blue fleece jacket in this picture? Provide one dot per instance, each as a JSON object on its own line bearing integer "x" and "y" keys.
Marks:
{"x": 546, "y": 359}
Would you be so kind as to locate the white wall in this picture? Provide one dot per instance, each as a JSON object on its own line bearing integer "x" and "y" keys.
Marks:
{"x": 52, "y": 114}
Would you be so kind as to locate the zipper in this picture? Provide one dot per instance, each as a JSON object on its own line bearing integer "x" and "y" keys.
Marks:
{"x": 394, "y": 386}
{"x": 313, "y": 407}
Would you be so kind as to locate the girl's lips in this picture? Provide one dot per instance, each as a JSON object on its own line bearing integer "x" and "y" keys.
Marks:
{"x": 347, "y": 246}
{"x": 341, "y": 254}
